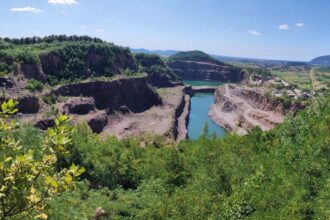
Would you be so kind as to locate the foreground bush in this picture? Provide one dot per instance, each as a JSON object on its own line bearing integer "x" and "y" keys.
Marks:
{"x": 28, "y": 178}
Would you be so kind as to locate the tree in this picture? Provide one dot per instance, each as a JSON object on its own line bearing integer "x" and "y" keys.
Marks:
{"x": 29, "y": 179}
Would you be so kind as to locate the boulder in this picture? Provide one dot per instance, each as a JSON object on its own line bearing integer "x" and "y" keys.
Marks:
{"x": 124, "y": 110}
{"x": 6, "y": 83}
{"x": 79, "y": 105}
{"x": 98, "y": 123}
{"x": 44, "y": 124}
{"x": 28, "y": 105}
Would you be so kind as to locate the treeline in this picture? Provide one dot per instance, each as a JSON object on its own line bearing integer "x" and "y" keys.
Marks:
{"x": 49, "y": 39}
{"x": 280, "y": 174}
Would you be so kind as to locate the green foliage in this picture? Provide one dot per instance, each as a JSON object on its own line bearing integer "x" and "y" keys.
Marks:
{"x": 280, "y": 174}
{"x": 155, "y": 67}
{"x": 28, "y": 179}
{"x": 194, "y": 56}
{"x": 35, "y": 85}
{"x": 50, "y": 99}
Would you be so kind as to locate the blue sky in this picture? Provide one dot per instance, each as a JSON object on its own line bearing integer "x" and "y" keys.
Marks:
{"x": 273, "y": 29}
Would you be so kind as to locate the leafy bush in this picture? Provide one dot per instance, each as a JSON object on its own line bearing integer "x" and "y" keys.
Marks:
{"x": 280, "y": 174}
{"x": 28, "y": 178}
{"x": 35, "y": 85}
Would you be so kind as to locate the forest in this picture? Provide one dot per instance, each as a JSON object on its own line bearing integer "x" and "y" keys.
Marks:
{"x": 279, "y": 174}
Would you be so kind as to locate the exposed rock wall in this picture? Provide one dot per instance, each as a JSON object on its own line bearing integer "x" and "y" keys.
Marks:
{"x": 259, "y": 101}
{"x": 193, "y": 70}
{"x": 135, "y": 93}
{"x": 240, "y": 109}
{"x": 26, "y": 104}
{"x": 32, "y": 71}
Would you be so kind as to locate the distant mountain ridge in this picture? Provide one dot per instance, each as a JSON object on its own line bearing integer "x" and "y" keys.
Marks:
{"x": 321, "y": 61}
{"x": 225, "y": 59}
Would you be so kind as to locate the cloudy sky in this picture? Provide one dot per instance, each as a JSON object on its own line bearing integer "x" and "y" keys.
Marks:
{"x": 273, "y": 29}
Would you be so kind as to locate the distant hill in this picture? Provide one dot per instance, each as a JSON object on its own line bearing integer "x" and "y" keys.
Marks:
{"x": 321, "y": 61}
{"x": 164, "y": 53}
{"x": 226, "y": 59}
{"x": 194, "y": 55}
{"x": 197, "y": 65}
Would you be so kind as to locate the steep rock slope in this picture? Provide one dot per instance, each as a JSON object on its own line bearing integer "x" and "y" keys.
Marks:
{"x": 134, "y": 93}
{"x": 196, "y": 65}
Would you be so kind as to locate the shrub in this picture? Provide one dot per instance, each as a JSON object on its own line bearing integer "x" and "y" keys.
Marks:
{"x": 35, "y": 85}
{"x": 29, "y": 180}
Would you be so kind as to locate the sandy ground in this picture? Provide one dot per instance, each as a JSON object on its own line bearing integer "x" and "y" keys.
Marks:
{"x": 157, "y": 120}
{"x": 244, "y": 117}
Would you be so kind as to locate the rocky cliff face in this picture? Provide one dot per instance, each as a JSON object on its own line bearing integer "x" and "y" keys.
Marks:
{"x": 194, "y": 70}
{"x": 135, "y": 93}
{"x": 259, "y": 101}
{"x": 32, "y": 71}
{"x": 239, "y": 109}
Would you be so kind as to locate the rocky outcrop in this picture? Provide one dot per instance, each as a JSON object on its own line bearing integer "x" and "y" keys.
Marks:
{"x": 28, "y": 105}
{"x": 194, "y": 70}
{"x": 44, "y": 124}
{"x": 259, "y": 101}
{"x": 6, "y": 83}
{"x": 79, "y": 105}
{"x": 32, "y": 71}
{"x": 135, "y": 93}
{"x": 98, "y": 123}
{"x": 239, "y": 109}
{"x": 182, "y": 119}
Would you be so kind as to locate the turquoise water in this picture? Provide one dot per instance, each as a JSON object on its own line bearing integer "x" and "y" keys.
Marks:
{"x": 202, "y": 83}
{"x": 198, "y": 116}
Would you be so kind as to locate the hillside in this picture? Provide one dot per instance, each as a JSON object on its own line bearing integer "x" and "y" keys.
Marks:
{"x": 321, "y": 61}
{"x": 63, "y": 58}
{"x": 197, "y": 65}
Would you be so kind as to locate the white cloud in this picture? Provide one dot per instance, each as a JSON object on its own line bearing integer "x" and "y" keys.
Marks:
{"x": 283, "y": 27}
{"x": 26, "y": 9}
{"x": 99, "y": 30}
{"x": 300, "y": 24}
{"x": 255, "y": 33}
{"x": 82, "y": 26}
{"x": 63, "y": 2}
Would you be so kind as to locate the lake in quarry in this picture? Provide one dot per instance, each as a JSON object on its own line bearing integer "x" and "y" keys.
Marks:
{"x": 198, "y": 117}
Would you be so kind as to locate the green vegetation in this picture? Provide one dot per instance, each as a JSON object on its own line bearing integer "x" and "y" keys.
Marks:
{"x": 300, "y": 79}
{"x": 280, "y": 174}
{"x": 321, "y": 78}
{"x": 154, "y": 65}
{"x": 71, "y": 58}
{"x": 29, "y": 174}
{"x": 35, "y": 85}
{"x": 194, "y": 56}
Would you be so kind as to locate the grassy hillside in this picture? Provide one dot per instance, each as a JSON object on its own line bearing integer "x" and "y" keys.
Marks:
{"x": 68, "y": 58}
{"x": 280, "y": 174}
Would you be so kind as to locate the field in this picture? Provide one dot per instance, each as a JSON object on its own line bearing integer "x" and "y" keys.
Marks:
{"x": 301, "y": 79}
{"x": 321, "y": 78}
